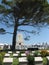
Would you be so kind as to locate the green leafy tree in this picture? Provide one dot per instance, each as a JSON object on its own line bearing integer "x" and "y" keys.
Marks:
{"x": 23, "y": 13}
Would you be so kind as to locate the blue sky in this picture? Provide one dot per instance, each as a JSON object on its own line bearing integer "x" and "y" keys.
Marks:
{"x": 34, "y": 39}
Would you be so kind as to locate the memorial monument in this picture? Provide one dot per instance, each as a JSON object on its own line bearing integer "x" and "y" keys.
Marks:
{"x": 19, "y": 41}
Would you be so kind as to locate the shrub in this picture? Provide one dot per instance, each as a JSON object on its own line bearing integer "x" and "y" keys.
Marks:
{"x": 15, "y": 61}
{"x": 2, "y": 53}
{"x": 43, "y": 53}
{"x": 22, "y": 51}
{"x": 44, "y": 61}
{"x": 0, "y": 59}
{"x": 19, "y": 55}
{"x": 30, "y": 60}
{"x": 27, "y": 53}
{"x": 11, "y": 55}
{"x": 36, "y": 53}
{"x": 47, "y": 53}
{"x": 0, "y": 48}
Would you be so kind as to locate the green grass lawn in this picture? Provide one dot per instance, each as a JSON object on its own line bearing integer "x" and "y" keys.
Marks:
{"x": 15, "y": 61}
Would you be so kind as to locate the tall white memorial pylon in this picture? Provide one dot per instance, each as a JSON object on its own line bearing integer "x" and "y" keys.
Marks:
{"x": 19, "y": 41}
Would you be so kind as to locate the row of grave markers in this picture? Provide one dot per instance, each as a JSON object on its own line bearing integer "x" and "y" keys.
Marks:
{"x": 22, "y": 60}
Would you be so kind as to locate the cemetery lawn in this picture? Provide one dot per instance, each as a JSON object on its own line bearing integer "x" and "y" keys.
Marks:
{"x": 11, "y": 55}
{"x": 15, "y": 61}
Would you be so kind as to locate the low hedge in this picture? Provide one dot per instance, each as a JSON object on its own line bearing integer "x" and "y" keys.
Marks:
{"x": 30, "y": 60}
{"x": 45, "y": 61}
{"x": 1, "y": 57}
{"x": 1, "y": 60}
{"x": 43, "y": 53}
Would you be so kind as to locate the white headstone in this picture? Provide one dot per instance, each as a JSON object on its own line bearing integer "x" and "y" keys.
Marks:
{"x": 9, "y": 52}
{"x": 23, "y": 61}
{"x": 7, "y": 61}
{"x": 15, "y": 55}
{"x": 7, "y": 55}
{"x": 17, "y": 52}
{"x": 47, "y": 57}
{"x": 48, "y": 60}
{"x": 23, "y": 54}
{"x": 38, "y": 61}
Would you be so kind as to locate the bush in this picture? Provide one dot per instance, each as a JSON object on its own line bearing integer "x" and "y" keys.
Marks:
{"x": 15, "y": 61}
{"x": 2, "y": 53}
{"x": 30, "y": 60}
{"x": 47, "y": 53}
{"x": 1, "y": 59}
{"x": 44, "y": 61}
{"x": 36, "y": 53}
{"x": 22, "y": 52}
{"x": 19, "y": 55}
{"x": 27, "y": 53}
{"x": 43, "y": 53}
{"x": 0, "y": 48}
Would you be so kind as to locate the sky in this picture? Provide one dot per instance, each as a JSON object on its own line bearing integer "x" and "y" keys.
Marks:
{"x": 43, "y": 36}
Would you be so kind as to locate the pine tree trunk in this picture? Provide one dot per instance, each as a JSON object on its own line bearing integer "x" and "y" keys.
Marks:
{"x": 14, "y": 34}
